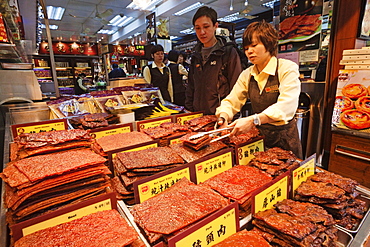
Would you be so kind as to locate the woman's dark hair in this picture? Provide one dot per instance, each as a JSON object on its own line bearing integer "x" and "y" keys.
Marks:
{"x": 82, "y": 75}
{"x": 265, "y": 33}
{"x": 205, "y": 11}
{"x": 173, "y": 56}
{"x": 156, "y": 48}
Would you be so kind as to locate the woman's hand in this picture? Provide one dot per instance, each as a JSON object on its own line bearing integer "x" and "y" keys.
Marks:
{"x": 241, "y": 125}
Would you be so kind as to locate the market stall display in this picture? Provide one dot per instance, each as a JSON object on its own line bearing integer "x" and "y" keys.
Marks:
{"x": 166, "y": 131}
{"x": 244, "y": 238}
{"x": 93, "y": 121}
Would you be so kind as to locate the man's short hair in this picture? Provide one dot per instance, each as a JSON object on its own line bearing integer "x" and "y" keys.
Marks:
{"x": 205, "y": 11}
{"x": 265, "y": 33}
{"x": 114, "y": 66}
{"x": 156, "y": 48}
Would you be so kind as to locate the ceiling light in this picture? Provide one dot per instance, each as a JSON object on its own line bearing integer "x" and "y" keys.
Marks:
{"x": 50, "y": 26}
{"x": 120, "y": 21}
{"x": 189, "y": 8}
{"x": 187, "y": 31}
{"x": 270, "y": 4}
{"x": 104, "y": 31}
{"x": 125, "y": 21}
{"x": 246, "y": 3}
{"x": 231, "y": 6}
{"x": 144, "y": 4}
{"x": 55, "y": 13}
{"x": 173, "y": 37}
{"x": 230, "y": 18}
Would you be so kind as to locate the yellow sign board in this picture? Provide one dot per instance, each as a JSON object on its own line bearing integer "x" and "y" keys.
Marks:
{"x": 273, "y": 194}
{"x": 245, "y": 153}
{"x": 212, "y": 167}
{"x": 183, "y": 119}
{"x": 303, "y": 172}
{"x": 158, "y": 185}
{"x": 108, "y": 132}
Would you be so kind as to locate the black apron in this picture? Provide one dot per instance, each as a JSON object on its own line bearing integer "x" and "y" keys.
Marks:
{"x": 161, "y": 80}
{"x": 283, "y": 136}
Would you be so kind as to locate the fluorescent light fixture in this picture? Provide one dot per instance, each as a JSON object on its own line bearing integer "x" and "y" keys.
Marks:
{"x": 55, "y": 13}
{"x": 104, "y": 31}
{"x": 173, "y": 37}
{"x": 187, "y": 31}
{"x": 230, "y": 18}
{"x": 50, "y": 26}
{"x": 270, "y": 4}
{"x": 189, "y": 8}
{"x": 143, "y": 4}
{"x": 119, "y": 21}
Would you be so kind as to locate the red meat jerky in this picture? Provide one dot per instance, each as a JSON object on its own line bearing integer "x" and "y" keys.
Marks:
{"x": 105, "y": 228}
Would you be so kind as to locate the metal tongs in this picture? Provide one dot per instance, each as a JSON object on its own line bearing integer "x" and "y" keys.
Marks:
{"x": 201, "y": 134}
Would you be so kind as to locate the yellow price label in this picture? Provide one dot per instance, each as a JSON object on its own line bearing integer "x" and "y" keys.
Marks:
{"x": 152, "y": 145}
{"x": 213, "y": 166}
{"x": 153, "y": 124}
{"x": 41, "y": 128}
{"x": 212, "y": 233}
{"x": 158, "y": 185}
{"x": 303, "y": 172}
{"x": 76, "y": 214}
{"x": 245, "y": 153}
{"x": 100, "y": 134}
{"x": 175, "y": 141}
{"x": 273, "y": 194}
{"x": 183, "y": 119}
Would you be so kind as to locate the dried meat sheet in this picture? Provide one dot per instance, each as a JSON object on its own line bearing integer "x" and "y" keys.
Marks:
{"x": 238, "y": 181}
{"x": 39, "y": 167}
{"x": 321, "y": 190}
{"x": 35, "y": 140}
{"x": 244, "y": 238}
{"x": 347, "y": 184}
{"x": 157, "y": 132}
{"x": 152, "y": 157}
{"x": 122, "y": 140}
{"x": 104, "y": 228}
{"x": 177, "y": 207}
{"x": 189, "y": 155}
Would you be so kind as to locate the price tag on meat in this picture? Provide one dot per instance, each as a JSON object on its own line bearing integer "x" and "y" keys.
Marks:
{"x": 213, "y": 166}
{"x": 306, "y": 169}
{"x": 111, "y": 131}
{"x": 181, "y": 119}
{"x": 273, "y": 194}
{"x": 152, "y": 123}
{"x": 245, "y": 153}
{"x": 156, "y": 186}
{"x": 76, "y": 214}
{"x": 220, "y": 226}
{"x": 37, "y": 127}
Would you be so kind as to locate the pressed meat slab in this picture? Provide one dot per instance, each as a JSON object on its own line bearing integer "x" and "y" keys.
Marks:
{"x": 122, "y": 140}
{"x": 177, "y": 207}
{"x": 105, "y": 228}
{"x": 244, "y": 238}
{"x": 238, "y": 181}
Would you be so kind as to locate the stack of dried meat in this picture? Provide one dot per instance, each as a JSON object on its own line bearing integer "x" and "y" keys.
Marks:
{"x": 238, "y": 183}
{"x": 204, "y": 123}
{"x": 294, "y": 223}
{"x": 244, "y": 238}
{"x": 165, "y": 131}
{"x": 196, "y": 143}
{"x": 117, "y": 141}
{"x": 38, "y": 184}
{"x": 169, "y": 212}
{"x": 94, "y": 120}
{"x": 189, "y": 154}
{"x": 336, "y": 194}
{"x": 29, "y": 144}
{"x": 243, "y": 138}
{"x": 132, "y": 166}
{"x": 104, "y": 228}
{"x": 275, "y": 161}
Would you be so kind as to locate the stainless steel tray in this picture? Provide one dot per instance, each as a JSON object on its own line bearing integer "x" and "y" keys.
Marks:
{"x": 344, "y": 238}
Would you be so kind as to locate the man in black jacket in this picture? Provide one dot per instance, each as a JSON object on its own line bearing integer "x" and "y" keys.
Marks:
{"x": 213, "y": 72}
{"x": 116, "y": 72}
